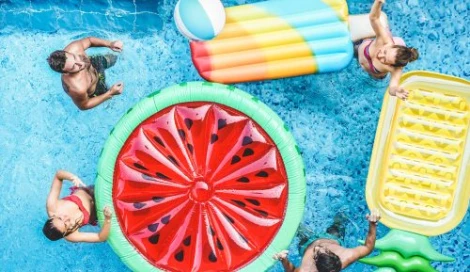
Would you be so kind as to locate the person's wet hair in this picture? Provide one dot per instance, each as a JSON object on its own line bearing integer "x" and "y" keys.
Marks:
{"x": 405, "y": 55}
{"x": 57, "y": 60}
{"x": 327, "y": 261}
{"x": 51, "y": 232}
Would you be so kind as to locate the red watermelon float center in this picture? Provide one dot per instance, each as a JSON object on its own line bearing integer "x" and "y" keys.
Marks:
{"x": 200, "y": 187}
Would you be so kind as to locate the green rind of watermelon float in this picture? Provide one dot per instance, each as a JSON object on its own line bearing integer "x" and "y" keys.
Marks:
{"x": 201, "y": 177}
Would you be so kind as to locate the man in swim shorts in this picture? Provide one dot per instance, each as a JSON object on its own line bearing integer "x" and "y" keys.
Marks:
{"x": 83, "y": 77}
{"x": 323, "y": 252}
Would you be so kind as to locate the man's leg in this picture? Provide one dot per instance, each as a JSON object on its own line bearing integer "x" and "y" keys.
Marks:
{"x": 110, "y": 60}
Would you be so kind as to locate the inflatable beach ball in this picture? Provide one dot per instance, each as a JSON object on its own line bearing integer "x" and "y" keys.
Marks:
{"x": 199, "y": 19}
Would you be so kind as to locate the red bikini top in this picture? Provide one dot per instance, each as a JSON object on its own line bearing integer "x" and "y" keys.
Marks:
{"x": 75, "y": 199}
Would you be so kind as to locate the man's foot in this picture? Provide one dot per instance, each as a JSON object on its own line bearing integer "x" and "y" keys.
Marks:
{"x": 337, "y": 228}
{"x": 110, "y": 60}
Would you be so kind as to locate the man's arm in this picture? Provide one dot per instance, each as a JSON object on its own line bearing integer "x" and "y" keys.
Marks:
{"x": 88, "y": 42}
{"x": 356, "y": 253}
{"x": 288, "y": 266}
{"x": 83, "y": 102}
{"x": 282, "y": 256}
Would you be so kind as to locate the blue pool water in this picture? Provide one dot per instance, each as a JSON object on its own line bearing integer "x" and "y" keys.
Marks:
{"x": 333, "y": 116}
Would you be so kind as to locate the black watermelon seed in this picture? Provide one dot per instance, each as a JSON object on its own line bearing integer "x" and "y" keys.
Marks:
{"x": 212, "y": 231}
{"x": 235, "y": 159}
{"x": 160, "y": 175}
{"x": 190, "y": 148}
{"x": 262, "y": 174}
{"x": 140, "y": 166}
{"x": 154, "y": 238}
{"x": 173, "y": 160}
{"x": 253, "y": 201}
{"x": 243, "y": 179}
{"x": 188, "y": 122}
{"x": 187, "y": 241}
{"x": 179, "y": 256}
{"x": 153, "y": 227}
{"x": 230, "y": 219}
{"x": 263, "y": 213}
{"x": 182, "y": 134}
{"x": 221, "y": 123}
{"x": 166, "y": 219}
{"x": 214, "y": 138}
{"x": 219, "y": 244}
{"x": 159, "y": 141}
{"x": 239, "y": 203}
{"x": 157, "y": 198}
{"x": 248, "y": 152}
{"x": 147, "y": 177}
{"x": 246, "y": 140}
{"x": 139, "y": 205}
{"x": 212, "y": 257}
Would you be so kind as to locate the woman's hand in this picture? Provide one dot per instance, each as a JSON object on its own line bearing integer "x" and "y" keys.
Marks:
{"x": 281, "y": 255}
{"x": 116, "y": 46}
{"x": 107, "y": 213}
{"x": 77, "y": 181}
{"x": 401, "y": 93}
{"x": 374, "y": 216}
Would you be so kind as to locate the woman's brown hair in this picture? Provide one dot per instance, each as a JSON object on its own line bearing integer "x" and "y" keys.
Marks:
{"x": 405, "y": 55}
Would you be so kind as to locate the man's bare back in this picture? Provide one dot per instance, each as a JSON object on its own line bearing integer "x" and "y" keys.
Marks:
{"x": 324, "y": 254}
{"x": 83, "y": 77}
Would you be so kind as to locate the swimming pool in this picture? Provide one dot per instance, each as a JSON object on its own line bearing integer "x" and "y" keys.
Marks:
{"x": 332, "y": 116}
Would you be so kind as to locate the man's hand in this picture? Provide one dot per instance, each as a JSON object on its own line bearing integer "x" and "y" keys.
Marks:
{"x": 374, "y": 216}
{"x": 117, "y": 88}
{"x": 107, "y": 213}
{"x": 281, "y": 255}
{"x": 116, "y": 46}
{"x": 381, "y": 1}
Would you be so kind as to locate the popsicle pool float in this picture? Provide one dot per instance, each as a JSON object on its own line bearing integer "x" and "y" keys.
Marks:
{"x": 194, "y": 173}
{"x": 276, "y": 39}
{"x": 419, "y": 175}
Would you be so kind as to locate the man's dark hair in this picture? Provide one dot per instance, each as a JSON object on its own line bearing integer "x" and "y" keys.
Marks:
{"x": 327, "y": 262}
{"x": 51, "y": 232}
{"x": 57, "y": 60}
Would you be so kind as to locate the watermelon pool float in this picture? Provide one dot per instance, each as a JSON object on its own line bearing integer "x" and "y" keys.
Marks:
{"x": 201, "y": 177}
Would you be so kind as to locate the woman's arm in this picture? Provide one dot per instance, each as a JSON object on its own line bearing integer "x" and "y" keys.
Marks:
{"x": 394, "y": 88}
{"x": 374, "y": 17}
{"x": 56, "y": 187}
{"x": 91, "y": 237}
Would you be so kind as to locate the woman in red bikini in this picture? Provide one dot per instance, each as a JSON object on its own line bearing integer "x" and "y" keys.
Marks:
{"x": 384, "y": 54}
{"x": 68, "y": 214}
